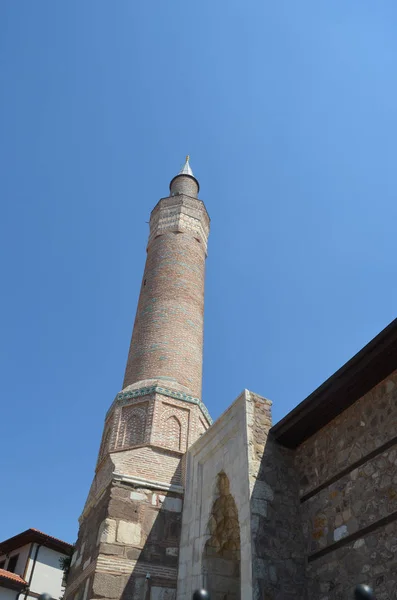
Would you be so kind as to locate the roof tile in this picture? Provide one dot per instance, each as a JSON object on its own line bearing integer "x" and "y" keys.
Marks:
{"x": 12, "y": 576}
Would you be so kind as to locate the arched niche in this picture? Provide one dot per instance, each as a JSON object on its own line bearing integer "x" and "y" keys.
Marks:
{"x": 221, "y": 556}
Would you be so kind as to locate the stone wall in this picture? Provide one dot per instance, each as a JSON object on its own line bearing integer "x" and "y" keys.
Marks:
{"x": 139, "y": 537}
{"x": 86, "y": 549}
{"x": 278, "y": 556}
{"x": 348, "y": 493}
{"x": 223, "y": 449}
{"x": 128, "y": 545}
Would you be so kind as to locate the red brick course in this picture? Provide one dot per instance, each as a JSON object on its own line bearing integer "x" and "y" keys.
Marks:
{"x": 167, "y": 339}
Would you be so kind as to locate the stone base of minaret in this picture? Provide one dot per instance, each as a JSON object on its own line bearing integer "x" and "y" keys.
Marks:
{"x": 131, "y": 525}
{"x": 136, "y": 546}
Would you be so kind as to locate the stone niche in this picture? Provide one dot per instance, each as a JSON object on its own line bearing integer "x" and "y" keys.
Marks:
{"x": 221, "y": 559}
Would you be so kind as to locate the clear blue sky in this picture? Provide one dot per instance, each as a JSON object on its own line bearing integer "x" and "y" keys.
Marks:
{"x": 288, "y": 110}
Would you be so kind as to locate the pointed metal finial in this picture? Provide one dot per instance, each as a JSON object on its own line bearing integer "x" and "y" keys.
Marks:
{"x": 186, "y": 169}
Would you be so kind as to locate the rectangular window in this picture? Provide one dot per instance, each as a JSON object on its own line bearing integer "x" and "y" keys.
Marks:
{"x": 12, "y": 563}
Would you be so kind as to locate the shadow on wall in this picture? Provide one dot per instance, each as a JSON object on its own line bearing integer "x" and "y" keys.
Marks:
{"x": 157, "y": 525}
{"x": 278, "y": 552}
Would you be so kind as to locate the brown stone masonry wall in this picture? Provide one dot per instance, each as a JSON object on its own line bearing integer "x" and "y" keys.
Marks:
{"x": 348, "y": 489}
{"x": 278, "y": 560}
{"x": 139, "y": 537}
{"x": 84, "y": 558}
{"x": 131, "y": 533}
{"x": 361, "y": 429}
{"x": 372, "y": 558}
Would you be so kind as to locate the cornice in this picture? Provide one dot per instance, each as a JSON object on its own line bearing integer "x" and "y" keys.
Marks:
{"x": 124, "y": 397}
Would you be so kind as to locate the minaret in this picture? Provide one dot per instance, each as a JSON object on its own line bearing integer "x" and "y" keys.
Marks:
{"x": 129, "y": 532}
{"x": 167, "y": 340}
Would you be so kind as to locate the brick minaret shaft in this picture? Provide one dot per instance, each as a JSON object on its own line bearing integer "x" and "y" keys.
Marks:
{"x": 131, "y": 523}
{"x": 167, "y": 339}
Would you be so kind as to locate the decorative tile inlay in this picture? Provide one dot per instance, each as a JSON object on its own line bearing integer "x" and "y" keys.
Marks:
{"x": 123, "y": 397}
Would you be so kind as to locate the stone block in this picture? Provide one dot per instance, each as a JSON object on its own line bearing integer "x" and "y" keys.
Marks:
{"x": 114, "y": 549}
{"x": 138, "y": 585}
{"x": 259, "y": 507}
{"x": 122, "y": 509}
{"x": 263, "y": 490}
{"x": 149, "y": 518}
{"x": 172, "y": 504}
{"x": 120, "y": 492}
{"x": 108, "y": 586}
{"x": 340, "y": 532}
{"x": 133, "y": 553}
{"x": 171, "y": 551}
{"x": 162, "y": 593}
{"x": 107, "y": 532}
{"x": 260, "y": 568}
{"x": 139, "y": 496}
{"x": 129, "y": 533}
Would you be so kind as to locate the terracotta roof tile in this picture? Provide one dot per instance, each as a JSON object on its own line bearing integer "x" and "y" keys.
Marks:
{"x": 34, "y": 535}
{"x": 51, "y": 536}
{"x": 12, "y": 576}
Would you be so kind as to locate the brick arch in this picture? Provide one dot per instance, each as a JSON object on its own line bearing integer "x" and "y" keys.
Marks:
{"x": 173, "y": 432}
{"x": 132, "y": 427}
{"x": 173, "y": 425}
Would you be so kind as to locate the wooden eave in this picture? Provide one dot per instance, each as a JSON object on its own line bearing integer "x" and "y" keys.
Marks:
{"x": 359, "y": 375}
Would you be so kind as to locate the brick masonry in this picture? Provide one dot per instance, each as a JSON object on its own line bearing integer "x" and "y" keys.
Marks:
{"x": 167, "y": 339}
{"x": 128, "y": 543}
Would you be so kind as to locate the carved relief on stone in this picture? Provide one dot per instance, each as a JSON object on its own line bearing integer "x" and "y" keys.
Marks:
{"x": 132, "y": 426}
{"x": 221, "y": 556}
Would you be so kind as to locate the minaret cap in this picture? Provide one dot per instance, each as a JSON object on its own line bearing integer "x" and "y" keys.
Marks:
{"x": 186, "y": 171}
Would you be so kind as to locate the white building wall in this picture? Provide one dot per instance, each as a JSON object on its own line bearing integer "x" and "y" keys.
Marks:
{"x": 6, "y": 594}
{"x": 47, "y": 574}
{"x": 224, "y": 447}
{"x": 22, "y": 559}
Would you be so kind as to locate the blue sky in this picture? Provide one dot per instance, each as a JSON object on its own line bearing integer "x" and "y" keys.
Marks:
{"x": 288, "y": 110}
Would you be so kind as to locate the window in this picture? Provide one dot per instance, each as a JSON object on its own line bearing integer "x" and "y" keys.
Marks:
{"x": 2, "y": 564}
{"x": 12, "y": 563}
